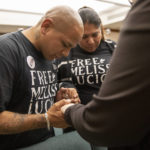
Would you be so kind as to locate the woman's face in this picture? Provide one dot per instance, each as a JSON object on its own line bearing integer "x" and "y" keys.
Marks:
{"x": 91, "y": 38}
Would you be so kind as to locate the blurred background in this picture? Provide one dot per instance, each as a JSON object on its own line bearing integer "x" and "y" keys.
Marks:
{"x": 20, "y": 14}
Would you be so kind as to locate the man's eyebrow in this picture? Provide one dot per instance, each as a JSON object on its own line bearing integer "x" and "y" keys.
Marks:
{"x": 67, "y": 44}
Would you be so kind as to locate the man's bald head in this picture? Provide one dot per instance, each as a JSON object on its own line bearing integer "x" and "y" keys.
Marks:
{"x": 60, "y": 29}
{"x": 63, "y": 17}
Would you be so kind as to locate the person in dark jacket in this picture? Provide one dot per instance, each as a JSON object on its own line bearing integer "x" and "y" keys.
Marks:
{"x": 119, "y": 116}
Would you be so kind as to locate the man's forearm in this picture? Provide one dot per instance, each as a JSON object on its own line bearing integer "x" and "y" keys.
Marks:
{"x": 12, "y": 123}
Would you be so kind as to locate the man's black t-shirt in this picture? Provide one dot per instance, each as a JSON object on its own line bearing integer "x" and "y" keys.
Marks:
{"x": 27, "y": 85}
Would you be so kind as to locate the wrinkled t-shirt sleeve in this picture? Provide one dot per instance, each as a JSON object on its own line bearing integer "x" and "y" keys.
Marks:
{"x": 7, "y": 77}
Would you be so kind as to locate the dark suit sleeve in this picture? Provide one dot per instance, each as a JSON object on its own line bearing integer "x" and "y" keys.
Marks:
{"x": 119, "y": 114}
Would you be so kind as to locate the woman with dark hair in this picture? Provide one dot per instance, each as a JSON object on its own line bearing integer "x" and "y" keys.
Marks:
{"x": 87, "y": 63}
{"x": 86, "y": 66}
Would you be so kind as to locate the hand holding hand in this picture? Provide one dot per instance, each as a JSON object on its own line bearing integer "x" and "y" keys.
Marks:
{"x": 63, "y": 108}
{"x": 67, "y": 93}
{"x": 55, "y": 115}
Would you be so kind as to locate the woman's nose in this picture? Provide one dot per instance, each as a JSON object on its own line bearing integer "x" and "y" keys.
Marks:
{"x": 90, "y": 40}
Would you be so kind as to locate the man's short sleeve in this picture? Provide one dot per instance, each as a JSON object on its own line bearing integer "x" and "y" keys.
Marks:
{"x": 7, "y": 77}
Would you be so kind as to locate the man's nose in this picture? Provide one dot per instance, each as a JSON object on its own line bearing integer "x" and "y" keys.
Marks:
{"x": 66, "y": 52}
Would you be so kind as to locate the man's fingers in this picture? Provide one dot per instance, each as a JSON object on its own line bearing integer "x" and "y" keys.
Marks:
{"x": 62, "y": 102}
{"x": 75, "y": 95}
{"x": 76, "y": 100}
{"x": 63, "y": 89}
{"x": 63, "y": 108}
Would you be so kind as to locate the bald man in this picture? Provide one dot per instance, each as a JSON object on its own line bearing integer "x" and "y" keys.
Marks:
{"x": 28, "y": 82}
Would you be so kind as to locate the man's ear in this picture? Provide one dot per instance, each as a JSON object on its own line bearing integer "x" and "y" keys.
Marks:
{"x": 46, "y": 25}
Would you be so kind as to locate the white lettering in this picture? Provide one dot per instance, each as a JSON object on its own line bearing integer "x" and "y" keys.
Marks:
{"x": 95, "y": 61}
{"x": 40, "y": 77}
{"x": 78, "y": 80}
{"x": 33, "y": 77}
{"x": 88, "y": 79}
{"x": 88, "y": 62}
{"x": 81, "y": 71}
{"x": 80, "y": 62}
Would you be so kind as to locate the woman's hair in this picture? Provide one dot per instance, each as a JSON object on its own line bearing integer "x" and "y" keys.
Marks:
{"x": 90, "y": 16}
